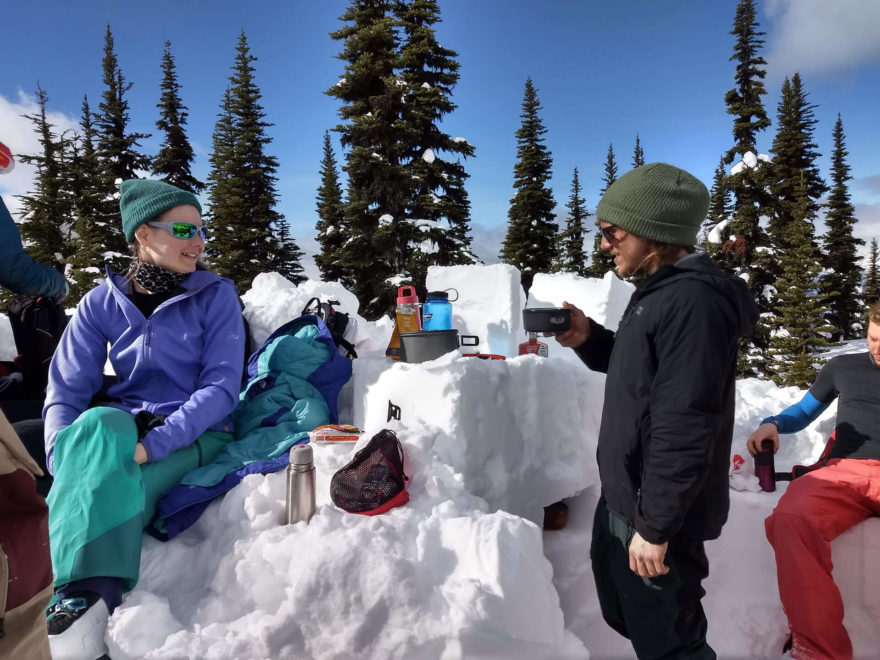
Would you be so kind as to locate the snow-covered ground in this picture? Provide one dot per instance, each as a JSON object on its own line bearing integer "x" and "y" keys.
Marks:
{"x": 463, "y": 569}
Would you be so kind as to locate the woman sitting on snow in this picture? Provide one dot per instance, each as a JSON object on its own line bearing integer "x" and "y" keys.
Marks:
{"x": 176, "y": 340}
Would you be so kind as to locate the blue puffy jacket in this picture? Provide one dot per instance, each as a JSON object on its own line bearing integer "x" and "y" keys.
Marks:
{"x": 184, "y": 361}
{"x": 20, "y": 273}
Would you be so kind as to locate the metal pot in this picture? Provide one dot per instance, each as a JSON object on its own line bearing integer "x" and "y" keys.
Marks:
{"x": 430, "y": 344}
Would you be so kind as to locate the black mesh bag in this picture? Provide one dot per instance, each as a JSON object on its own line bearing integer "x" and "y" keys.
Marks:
{"x": 373, "y": 481}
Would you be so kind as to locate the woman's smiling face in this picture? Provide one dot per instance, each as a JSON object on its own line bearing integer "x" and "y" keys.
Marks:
{"x": 160, "y": 248}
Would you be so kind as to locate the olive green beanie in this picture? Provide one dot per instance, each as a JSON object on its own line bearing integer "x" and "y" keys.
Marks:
{"x": 141, "y": 200}
{"x": 656, "y": 201}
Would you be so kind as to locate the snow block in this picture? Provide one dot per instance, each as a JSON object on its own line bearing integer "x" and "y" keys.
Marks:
{"x": 521, "y": 432}
{"x": 273, "y": 300}
{"x": 490, "y": 300}
{"x": 602, "y": 300}
{"x": 854, "y": 554}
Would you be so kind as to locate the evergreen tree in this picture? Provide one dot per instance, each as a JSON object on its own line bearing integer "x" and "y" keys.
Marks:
{"x": 531, "y": 229}
{"x": 92, "y": 210}
{"x": 842, "y": 270}
{"x": 331, "y": 229}
{"x": 288, "y": 256}
{"x": 602, "y": 261}
{"x": 744, "y": 100}
{"x": 116, "y": 149}
{"x": 174, "y": 160}
{"x": 746, "y": 253}
{"x": 47, "y": 210}
{"x": 638, "y": 154}
{"x": 871, "y": 286}
{"x": 610, "y": 175}
{"x": 116, "y": 146}
{"x": 224, "y": 190}
{"x": 750, "y": 117}
{"x": 376, "y": 253}
{"x": 243, "y": 219}
{"x": 800, "y": 327}
{"x": 719, "y": 208}
{"x": 438, "y": 203}
{"x": 571, "y": 257}
{"x": 794, "y": 157}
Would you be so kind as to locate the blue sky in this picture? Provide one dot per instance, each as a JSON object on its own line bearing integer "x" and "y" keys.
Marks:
{"x": 604, "y": 72}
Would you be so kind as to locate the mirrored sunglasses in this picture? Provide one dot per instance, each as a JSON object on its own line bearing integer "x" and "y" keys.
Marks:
{"x": 183, "y": 230}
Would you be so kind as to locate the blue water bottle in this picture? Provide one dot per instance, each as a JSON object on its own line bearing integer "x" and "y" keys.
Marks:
{"x": 437, "y": 311}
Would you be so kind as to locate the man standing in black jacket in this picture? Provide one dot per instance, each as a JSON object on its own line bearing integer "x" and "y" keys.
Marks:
{"x": 667, "y": 421}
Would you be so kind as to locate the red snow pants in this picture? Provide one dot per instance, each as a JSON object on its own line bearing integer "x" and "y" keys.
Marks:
{"x": 815, "y": 509}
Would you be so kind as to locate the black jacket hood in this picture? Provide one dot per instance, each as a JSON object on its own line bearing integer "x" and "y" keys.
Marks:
{"x": 699, "y": 266}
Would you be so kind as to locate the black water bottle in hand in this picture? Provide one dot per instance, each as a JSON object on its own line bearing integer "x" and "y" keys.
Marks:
{"x": 765, "y": 468}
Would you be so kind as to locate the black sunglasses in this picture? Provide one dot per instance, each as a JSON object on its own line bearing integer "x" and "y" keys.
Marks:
{"x": 609, "y": 232}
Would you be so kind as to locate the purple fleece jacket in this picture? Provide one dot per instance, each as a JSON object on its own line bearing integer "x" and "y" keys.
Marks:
{"x": 184, "y": 361}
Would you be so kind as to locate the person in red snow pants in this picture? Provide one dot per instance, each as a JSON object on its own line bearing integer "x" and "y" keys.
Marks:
{"x": 826, "y": 502}
{"x": 816, "y": 509}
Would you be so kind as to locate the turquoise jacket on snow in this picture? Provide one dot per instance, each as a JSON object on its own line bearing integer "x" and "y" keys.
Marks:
{"x": 277, "y": 408}
{"x": 184, "y": 361}
{"x": 18, "y": 272}
{"x": 294, "y": 380}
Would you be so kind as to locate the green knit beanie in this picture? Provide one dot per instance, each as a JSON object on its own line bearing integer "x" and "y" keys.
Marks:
{"x": 141, "y": 200}
{"x": 656, "y": 201}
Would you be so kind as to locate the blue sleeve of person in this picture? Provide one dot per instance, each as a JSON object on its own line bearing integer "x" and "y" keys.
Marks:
{"x": 797, "y": 416}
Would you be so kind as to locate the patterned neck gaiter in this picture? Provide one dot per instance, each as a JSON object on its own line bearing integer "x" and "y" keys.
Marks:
{"x": 156, "y": 279}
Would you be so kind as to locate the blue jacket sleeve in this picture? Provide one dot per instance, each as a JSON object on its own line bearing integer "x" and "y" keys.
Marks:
{"x": 219, "y": 381}
{"x": 75, "y": 373}
{"x": 799, "y": 415}
{"x": 18, "y": 272}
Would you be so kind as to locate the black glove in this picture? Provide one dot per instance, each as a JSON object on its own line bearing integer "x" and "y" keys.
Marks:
{"x": 147, "y": 421}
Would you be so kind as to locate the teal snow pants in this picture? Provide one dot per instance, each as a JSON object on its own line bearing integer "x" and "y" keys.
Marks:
{"x": 102, "y": 499}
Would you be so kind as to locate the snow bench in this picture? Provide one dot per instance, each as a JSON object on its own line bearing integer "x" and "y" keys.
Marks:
{"x": 856, "y": 557}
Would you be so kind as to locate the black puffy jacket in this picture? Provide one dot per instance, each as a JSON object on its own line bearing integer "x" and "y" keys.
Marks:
{"x": 667, "y": 421}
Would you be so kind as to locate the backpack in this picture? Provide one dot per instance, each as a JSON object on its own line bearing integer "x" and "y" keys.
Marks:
{"x": 25, "y": 564}
{"x": 37, "y": 324}
{"x": 341, "y": 327}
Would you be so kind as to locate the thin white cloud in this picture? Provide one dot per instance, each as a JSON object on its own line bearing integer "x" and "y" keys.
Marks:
{"x": 867, "y": 222}
{"x": 821, "y": 36}
{"x": 869, "y": 185}
{"x": 17, "y": 133}
{"x": 486, "y": 241}
{"x": 308, "y": 243}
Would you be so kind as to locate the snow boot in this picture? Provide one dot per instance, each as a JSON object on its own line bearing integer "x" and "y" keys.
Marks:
{"x": 77, "y": 624}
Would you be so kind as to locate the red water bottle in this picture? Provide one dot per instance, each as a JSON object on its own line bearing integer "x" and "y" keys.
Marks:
{"x": 533, "y": 346}
{"x": 408, "y": 317}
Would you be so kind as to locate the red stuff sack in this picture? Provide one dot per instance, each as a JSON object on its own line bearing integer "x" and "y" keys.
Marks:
{"x": 373, "y": 481}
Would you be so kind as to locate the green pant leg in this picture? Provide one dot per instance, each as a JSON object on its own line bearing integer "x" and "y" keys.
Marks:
{"x": 662, "y": 616}
{"x": 163, "y": 475}
{"x": 96, "y": 503}
{"x": 605, "y": 550}
{"x": 102, "y": 499}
